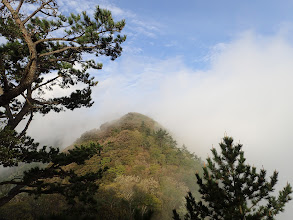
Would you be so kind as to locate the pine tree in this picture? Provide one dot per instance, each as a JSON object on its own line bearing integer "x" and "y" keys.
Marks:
{"x": 45, "y": 49}
{"x": 231, "y": 189}
{"x": 42, "y": 52}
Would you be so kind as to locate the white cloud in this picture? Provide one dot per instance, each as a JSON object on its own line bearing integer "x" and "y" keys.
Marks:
{"x": 90, "y": 5}
{"x": 3, "y": 40}
{"x": 247, "y": 93}
{"x": 118, "y": 12}
{"x": 135, "y": 25}
{"x": 172, "y": 43}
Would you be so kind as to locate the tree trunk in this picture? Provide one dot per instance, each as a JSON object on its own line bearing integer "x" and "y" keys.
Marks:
{"x": 12, "y": 193}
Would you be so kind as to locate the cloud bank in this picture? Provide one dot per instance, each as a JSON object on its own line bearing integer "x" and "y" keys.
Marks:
{"x": 246, "y": 93}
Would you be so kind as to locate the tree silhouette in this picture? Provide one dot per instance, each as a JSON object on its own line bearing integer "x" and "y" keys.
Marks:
{"x": 44, "y": 50}
{"x": 231, "y": 189}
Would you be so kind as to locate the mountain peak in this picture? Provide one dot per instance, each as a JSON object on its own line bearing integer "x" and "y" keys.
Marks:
{"x": 130, "y": 121}
{"x": 147, "y": 174}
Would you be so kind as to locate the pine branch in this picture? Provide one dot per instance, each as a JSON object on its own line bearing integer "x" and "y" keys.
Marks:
{"x": 66, "y": 48}
{"x": 11, "y": 182}
{"x": 18, "y": 117}
{"x": 12, "y": 193}
{"x": 27, "y": 125}
{"x": 45, "y": 102}
{"x": 36, "y": 11}
{"x": 19, "y": 6}
{"x": 8, "y": 112}
{"x": 58, "y": 39}
{"x": 49, "y": 81}
{"x": 45, "y": 13}
{"x": 31, "y": 69}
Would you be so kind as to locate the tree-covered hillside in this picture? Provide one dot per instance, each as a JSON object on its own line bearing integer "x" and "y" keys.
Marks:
{"x": 148, "y": 175}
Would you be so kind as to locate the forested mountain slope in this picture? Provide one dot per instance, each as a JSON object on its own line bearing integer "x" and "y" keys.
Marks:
{"x": 148, "y": 174}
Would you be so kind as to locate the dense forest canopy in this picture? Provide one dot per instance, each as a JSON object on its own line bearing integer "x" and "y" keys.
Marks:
{"x": 147, "y": 174}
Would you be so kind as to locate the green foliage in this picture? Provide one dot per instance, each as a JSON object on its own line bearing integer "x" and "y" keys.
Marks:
{"x": 57, "y": 178}
{"x": 41, "y": 53}
{"x": 15, "y": 149}
{"x": 154, "y": 176}
{"x": 33, "y": 50}
{"x": 118, "y": 170}
{"x": 105, "y": 161}
{"x": 137, "y": 183}
{"x": 76, "y": 155}
{"x": 232, "y": 189}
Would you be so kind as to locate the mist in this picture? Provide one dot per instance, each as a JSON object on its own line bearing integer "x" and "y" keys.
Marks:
{"x": 246, "y": 92}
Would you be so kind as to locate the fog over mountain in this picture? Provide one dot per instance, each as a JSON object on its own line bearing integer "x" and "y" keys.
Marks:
{"x": 246, "y": 92}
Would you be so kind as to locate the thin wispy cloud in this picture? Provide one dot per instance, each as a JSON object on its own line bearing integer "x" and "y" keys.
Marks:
{"x": 136, "y": 25}
{"x": 196, "y": 73}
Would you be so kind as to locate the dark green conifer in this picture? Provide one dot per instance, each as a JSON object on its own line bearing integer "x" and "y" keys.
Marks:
{"x": 231, "y": 189}
{"x": 45, "y": 49}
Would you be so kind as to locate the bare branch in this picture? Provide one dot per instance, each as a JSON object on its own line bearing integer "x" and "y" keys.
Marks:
{"x": 8, "y": 112}
{"x": 105, "y": 31}
{"x": 27, "y": 124}
{"x": 8, "y": 6}
{"x": 15, "y": 121}
{"x": 56, "y": 51}
{"x": 11, "y": 194}
{"x": 49, "y": 81}
{"x": 46, "y": 13}
{"x": 36, "y": 11}
{"x": 66, "y": 48}
{"x": 45, "y": 102}
{"x": 69, "y": 39}
{"x": 11, "y": 182}
{"x": 57, "y": 28}
{"x": 19, "y": 6}
{"x": 60, "y": 38}
{"x": 57, "y": 38}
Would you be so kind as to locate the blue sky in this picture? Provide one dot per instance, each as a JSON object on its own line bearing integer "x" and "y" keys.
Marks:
{"x": 164, "y": 29}
{"x": 202, "y": 69}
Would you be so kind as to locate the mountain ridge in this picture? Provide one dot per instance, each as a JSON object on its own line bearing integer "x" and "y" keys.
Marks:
{"x": 148, "y": 174}
{"x": 131, "y": 120}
